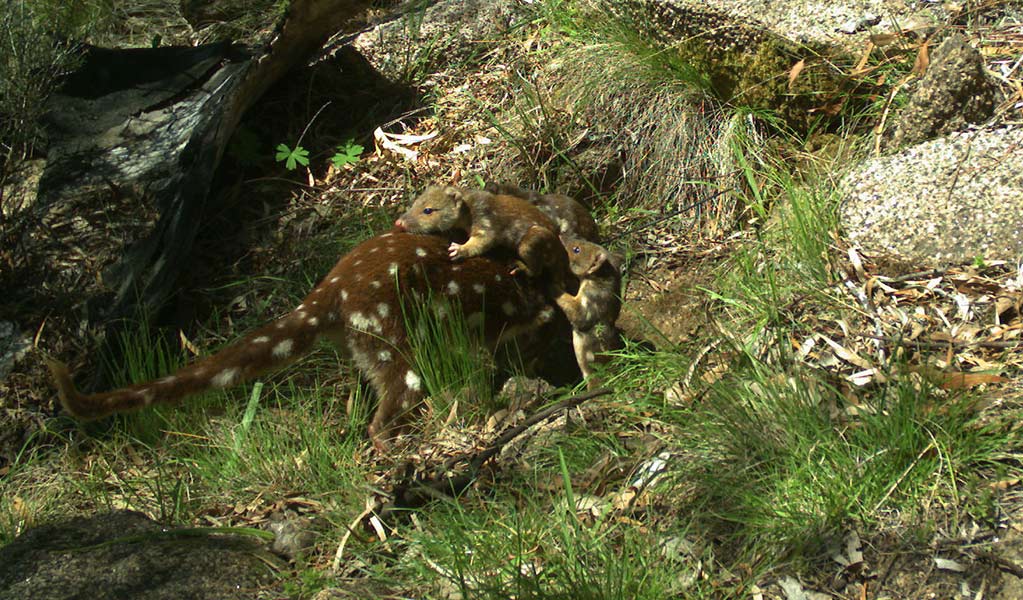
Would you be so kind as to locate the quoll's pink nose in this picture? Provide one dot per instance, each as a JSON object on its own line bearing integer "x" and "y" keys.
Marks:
{"x": 399, "y": 224}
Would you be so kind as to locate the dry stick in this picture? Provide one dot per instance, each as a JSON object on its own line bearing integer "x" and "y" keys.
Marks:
{"x": 939, "y": 345}
{"x": 928, "y": 274}
{"x": 1001, "y": 562}
{"x": 408, "y": 497}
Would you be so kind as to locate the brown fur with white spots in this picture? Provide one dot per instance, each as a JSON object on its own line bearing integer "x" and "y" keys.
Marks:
{"x": 572, "y": 218}
{"x": 593, "y": 310}
{"x": 357, "y": 306}
{"x": 491, "y": 221}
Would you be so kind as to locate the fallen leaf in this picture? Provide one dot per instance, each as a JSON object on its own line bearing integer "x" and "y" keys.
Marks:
{"x": 947, "y": 564}
{"x": 961, "y": 381}
{"x": 795, "y": 71}
{"x": 922, "y": 60}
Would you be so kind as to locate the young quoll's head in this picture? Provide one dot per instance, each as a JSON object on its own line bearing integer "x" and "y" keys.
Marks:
{"x": 438, "y": 209}
{"x": 585, "y": 258}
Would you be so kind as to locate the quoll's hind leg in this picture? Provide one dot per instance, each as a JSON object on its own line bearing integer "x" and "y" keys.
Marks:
{"x": 540, "y": 251}
{"x": 399, "y": 392}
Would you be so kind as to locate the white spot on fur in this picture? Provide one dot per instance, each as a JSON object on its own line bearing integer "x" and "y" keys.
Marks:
{"x": 359, "y": 321}
{"x": 452, "y": 288}
{"x": 590, "y": 356}
{"x": 479, "y": 288}
{"x": 301, "y": 306}
{"x": 456, "y": 268}
{"x": 283, "y": 348}
{"x": 312, "y": 321}
{"x": 546, "y": 314}
{"x": 384, "y": 355}
{"x": 375, "y": 285}
{"x": 335, "y": 279}
{"x": 383, "y": 309}
{"x": 332, "y": 316}
{"x": 280, "y": 325}
{"x": 386, "y": 235}
{"x": 413, "y": 381}
{"x": 508, "y": 308}
{"x": 406, "y": 403}
{"x": 314, "y": 302}
{"x": 357, "y": 262}
{"x": 497, "y": 277}
{"x": 166, "y": 380}
{"x": 344, "y": 295}
{"x": 146, "y": 395}
{"x": 260, "y": 340}
{"x": 420, "y": 252}
{"x": 392, "y": 269}
{"x": 225, "y": 377}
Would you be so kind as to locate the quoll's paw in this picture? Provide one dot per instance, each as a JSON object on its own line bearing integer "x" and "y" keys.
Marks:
{"x": 520, "y": 269}
{"x": 454, "y": 251}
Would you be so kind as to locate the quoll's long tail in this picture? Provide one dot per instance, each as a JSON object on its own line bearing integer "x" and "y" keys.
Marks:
{"x": 269, "y": 347}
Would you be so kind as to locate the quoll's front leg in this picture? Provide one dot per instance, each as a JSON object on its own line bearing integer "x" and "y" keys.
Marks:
{"x": 572, "y": 307}
{"x": 474, "y": 246}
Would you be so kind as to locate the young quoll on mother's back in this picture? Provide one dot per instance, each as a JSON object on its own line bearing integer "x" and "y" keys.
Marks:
{"x": 490, "y": 221}
{"x": 594, "y": 309}
{"x": 571, "y": 217}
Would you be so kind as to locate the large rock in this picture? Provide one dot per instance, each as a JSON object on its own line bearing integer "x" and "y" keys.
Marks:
{"x": 955, "y": 92}
{"x": 446, "y": 32}
{"x": 124, "y": 555}
{"x": 942, "y": 202}
{"x": 722, "y": 24}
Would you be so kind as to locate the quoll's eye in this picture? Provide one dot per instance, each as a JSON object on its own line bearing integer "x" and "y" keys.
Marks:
{"x": 427, "y": 211}
{"x": 576, "y": 249}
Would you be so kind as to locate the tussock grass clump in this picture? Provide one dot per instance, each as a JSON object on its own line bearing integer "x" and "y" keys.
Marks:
{"x": 669, "y": 133}
{"x": 786, "y": 465}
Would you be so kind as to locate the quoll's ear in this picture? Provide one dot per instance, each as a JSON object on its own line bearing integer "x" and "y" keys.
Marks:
{"x": 456, "y": 195}
{"x": 599, "y": 258}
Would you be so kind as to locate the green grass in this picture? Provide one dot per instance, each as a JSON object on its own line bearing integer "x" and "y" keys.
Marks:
{"x": 450, "y": 355}
{"x": 781, "y": 472}
{"x": 531, "y": 545}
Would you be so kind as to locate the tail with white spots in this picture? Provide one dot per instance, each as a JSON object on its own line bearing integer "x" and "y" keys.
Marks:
{"x": 265, "y": 349}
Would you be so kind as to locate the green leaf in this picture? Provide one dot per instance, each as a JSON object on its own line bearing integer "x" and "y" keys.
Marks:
{"x": 347, "y": 153}
{"x": 292, "y": 157}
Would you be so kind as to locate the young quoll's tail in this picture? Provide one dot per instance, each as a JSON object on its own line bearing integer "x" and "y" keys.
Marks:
{"x": 267, "y": 348}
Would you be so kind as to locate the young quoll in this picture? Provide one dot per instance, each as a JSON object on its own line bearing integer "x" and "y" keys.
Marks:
{"x": 490, "y": 221}
{"x": 571, "y": 217}
{"x": 359, "y": 307}
{"x": 593, "y": 310}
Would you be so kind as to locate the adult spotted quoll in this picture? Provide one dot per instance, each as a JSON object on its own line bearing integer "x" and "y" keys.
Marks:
{"x": 359, "y": 307}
